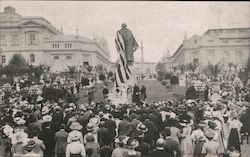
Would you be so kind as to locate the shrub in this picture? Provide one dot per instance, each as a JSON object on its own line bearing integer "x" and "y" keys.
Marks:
{"x": 174, "y": 80}
{"x": 168, "y": 76}
{"x": 164, "y": 82}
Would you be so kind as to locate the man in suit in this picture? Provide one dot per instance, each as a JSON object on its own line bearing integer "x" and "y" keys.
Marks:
{"x": 61, "y": 142}
{"x": 171, "y": 146}
{"x": 125, "y": 127}
{"x": 159, "y": 151}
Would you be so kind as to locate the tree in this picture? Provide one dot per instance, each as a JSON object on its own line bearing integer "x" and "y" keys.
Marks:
{"x": 72, "y": 70}
{"x": 215, "y": 70}
{"x": 16, "y": 66}
{"x": 174, "y": 80}
{"x": 193, "y": 66}
{"x": 182, "y": 68}
{"x": 161, "y": 67}
{"x": 17, "y": 61}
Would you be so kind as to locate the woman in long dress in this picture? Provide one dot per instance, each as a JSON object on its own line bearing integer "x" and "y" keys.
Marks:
{"x": 234, "y": 136}
{"x": 187, "y": 148}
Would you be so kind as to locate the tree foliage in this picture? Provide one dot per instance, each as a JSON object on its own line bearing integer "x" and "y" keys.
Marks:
{"x": 174, "y": 80}
{"x": 72, "y": 70}
{"x": 182, "y": 68}
{"x": 193, "y": 66}
{"x": 161, "y": 67}
{"x": 215, "y": 70}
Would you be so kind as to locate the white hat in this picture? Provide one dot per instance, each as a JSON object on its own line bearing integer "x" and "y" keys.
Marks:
{"x": 45, "y": 110}
{"x": 47, "y": 118}
{"x": 19, "y": 121}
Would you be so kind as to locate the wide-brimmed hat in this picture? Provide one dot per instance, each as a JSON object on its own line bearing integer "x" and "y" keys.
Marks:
{"x": 121, "y": 139}
{"x": 47, "y": 118}
{"x": 75, "y": 135}
{"x": 75, "y": 126}
{"x": 132, "y": 143}
{"x": 39, "y": 98}
{"x": 160, "y": 143}
{"x": 19, "y": 121}
{"x": 141, "y": 127}
{"x": 31, "y": 144}
{"x": 202, "y": 124}
{"x": 90, "y": 127}
{"x": 45, "y": 110}
{"x": 209, "y": 133}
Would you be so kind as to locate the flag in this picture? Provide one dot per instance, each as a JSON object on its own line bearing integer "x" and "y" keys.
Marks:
{"x": 123, "y": 74}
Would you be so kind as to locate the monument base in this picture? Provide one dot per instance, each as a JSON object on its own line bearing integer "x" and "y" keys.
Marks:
{"x": 121, "y": 95}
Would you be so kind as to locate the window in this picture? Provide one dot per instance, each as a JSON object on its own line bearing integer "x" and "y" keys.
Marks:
{"x": 56, "y": 57}
{"x": 68, "y": 45}
{"x": 55, "y": 45}
{"x": 195, "y": 41}
{"x": 210, "y": 40}
{"x": 3, "y": 59}
{"x": 32, "y": 58}
{"x": 2, "y": 40}
{"x": 32, "y": 39}
{"x": 68, "y": 57}
{"x": 15, "y": 39}
{"x": 225, "y": 41}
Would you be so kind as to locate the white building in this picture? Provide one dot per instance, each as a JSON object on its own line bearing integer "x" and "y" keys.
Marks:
{"x": 215, "y": 45}
{"x": 40, "y": 43}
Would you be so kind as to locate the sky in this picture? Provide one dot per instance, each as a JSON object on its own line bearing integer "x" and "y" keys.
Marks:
{"x": 161, "y": 25}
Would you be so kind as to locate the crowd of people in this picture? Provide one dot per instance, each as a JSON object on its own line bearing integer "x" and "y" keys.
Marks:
{"x": 37, "y": 125}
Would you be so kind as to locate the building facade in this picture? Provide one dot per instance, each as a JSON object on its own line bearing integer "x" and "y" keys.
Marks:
{"x": 214, "y": 46}
{"x": 39, "y": 42}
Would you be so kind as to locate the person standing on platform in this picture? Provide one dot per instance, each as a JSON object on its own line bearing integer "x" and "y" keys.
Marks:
{"x": 143, "y": 93}
{"x": 136, "y": 95}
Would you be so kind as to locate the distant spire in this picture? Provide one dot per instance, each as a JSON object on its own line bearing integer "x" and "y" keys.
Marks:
{"x": 77, "y": 33}
{"x": 61, "y": 29}
{"x": 142, "y": 53}
{"x": 94, "y": 36}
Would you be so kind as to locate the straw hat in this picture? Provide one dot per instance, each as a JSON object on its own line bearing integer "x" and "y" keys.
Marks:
{"x": 74, "y": 135}
{"x": 45, "y": 110}
{"x": 141, "y": 127}
{"x": 160, "y": 143}
{"x": 47, "y": 118}
{"x": 75, "y": 126}
{"x": 209, "y": 133}
{"x": 121, "y": 139}
{"x": 90, "y": 127}
{"x": 19, "y": 121}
